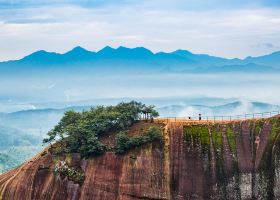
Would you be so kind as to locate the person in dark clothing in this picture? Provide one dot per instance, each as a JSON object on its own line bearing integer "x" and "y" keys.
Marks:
{"x": 199, "y": 117}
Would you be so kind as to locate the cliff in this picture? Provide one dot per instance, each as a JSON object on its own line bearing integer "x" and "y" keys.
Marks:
{"x": 229, "y": 160}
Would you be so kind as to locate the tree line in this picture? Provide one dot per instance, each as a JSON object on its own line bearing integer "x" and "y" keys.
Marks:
{"x": 80, "y": 131}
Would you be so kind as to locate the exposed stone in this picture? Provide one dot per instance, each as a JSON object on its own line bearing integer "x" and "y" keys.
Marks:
{"x": 196, "y": 162}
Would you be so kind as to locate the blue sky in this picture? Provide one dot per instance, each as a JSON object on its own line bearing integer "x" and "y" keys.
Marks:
{"x": 218, "y": 27}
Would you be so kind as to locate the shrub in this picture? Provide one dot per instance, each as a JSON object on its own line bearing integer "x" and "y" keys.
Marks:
{"x": 62, "y": 169}
{"x": 124, "y": 143}
{"x": 155, "y": 133}
{"x": 92, "y": 147}
{"x": 80, "y": 131}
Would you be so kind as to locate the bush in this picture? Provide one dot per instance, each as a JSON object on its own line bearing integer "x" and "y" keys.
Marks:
{"x": 62, "y": 169}
{"x": 92, "y": 147}
{"x": 80, "y": 131}
{"x": 124, "y": 143}
{"x": 155, "y": 133}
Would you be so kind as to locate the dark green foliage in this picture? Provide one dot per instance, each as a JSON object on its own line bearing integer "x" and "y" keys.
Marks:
{"x": 124, "y": 143}
{"x": 76, "y": 176}
{"x": 92, "y": 147}
{"x": 80, "y": 132}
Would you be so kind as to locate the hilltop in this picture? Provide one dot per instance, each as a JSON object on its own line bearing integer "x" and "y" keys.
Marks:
{"x": 191, "y": 160}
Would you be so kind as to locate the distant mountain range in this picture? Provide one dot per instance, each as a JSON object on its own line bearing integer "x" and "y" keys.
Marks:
{"x": 135, "y": 59}
{"x": 40, "y": 121}
{"x": 229, "y": 109}
{"x": 22, "y": 134}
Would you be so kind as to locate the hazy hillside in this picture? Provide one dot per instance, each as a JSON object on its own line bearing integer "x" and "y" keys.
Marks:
{"x": 16, "y": 147}
{"x": 22, "y": 135}
{"x": 233, "y": 108}
{"x": 137, "y": 59}
{"x": 11, "y": 137}
{"x": 40, "y": 121}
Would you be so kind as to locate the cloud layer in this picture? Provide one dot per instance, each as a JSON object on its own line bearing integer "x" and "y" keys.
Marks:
{"x": 224, "y": 28}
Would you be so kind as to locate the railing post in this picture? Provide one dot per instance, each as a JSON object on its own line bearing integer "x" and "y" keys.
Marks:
{"x": 215, "y": 118}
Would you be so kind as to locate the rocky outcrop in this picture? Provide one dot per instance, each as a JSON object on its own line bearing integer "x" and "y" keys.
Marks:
{"x": 235, "y": 160}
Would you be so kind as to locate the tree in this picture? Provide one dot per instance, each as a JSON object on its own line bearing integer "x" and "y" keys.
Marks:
{"x": 149, "y": 112}
{"x": 80, "y": 132}
{"x": 123, "y": 142}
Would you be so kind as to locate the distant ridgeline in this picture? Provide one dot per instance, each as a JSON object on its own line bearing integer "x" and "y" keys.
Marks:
{"x": 107, "y": 153}
{"x": 140, "y": 58}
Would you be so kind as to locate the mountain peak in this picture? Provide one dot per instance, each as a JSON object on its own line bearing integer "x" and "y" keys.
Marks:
{"x": 37, "y": 55}
{"x": 181, "y": 51}
{"x": 143, "y": 49}
{"x": 122, "y": 51}
{"x": 39, "y": 52}
{"x": 78, "y": 49}
{"x": 122, "y": 48}
{"x": 106, "y": 49}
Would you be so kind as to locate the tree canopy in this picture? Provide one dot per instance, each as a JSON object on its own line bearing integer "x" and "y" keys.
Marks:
{"x": 80, "y": 131}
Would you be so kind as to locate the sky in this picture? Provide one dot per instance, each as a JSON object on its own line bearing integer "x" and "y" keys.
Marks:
{"x": 228, "y": 28}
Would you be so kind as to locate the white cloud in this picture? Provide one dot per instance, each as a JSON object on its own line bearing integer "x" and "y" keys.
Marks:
{"x": 230, "y": 33}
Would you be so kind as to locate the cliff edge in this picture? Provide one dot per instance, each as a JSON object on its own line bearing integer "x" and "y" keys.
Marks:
{"x": 222, "y": 160}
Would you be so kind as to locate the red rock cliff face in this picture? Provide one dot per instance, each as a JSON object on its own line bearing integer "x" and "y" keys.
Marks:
{"x": 224, "y": 161}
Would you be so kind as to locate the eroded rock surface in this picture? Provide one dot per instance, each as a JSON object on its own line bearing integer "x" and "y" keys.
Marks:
{"x": 237, "y": 160}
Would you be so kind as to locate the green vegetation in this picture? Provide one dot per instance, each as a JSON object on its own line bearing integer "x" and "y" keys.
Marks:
{"x": 81, "y": 132}
{"x": 125, "y": 143}
{"x": 258, "y": 126}
{"x": 14, "y": 137}
{"x": 231, "y": 139}
{"x": 14, "y": 156}
{"x": 16, "y": 147}
{"x": 197, "y": 140}
{"x": 61, "y": 168}
{"x": 217, "y": 138}
{"x": 275, "y": 130}
{"x": 200, "y": 133}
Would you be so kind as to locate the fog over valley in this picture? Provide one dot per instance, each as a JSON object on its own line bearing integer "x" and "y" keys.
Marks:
{"x": 37, "y": 90}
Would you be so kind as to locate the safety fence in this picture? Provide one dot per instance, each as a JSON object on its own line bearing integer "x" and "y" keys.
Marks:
{"x": 201, "y": 117}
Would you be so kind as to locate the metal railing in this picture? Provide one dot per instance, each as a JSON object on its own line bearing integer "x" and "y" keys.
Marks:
{"x": 262, "y": 115}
